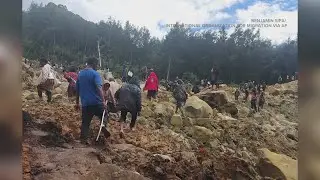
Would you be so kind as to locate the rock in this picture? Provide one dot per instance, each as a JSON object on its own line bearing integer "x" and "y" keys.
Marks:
{"x": 160, "y": 110}
{"x": 163, "y": 110}
{"x": 190, "y": 157}
{"x": 111, "y": 172}
{"x": 162, "y": 157}
{"x": 277, "y": 166}
{"x": 197, "y": 108}
{"x": 57, "y": 96}
{"x": 215, "y": 99}
{"x": 57, "y": 90}
{"x": 289, "y": 92}
{"x": 30, "y": 96}
{"x": 292, "y": 134}
{"x": 243, "y": 111}
{"x": 201, "y": 133}
{"x": 245, "y": 155}
{"x": 231, "y": 108}
{"x": 268, "y": 127}
{"x": 146, "y": 112}
{"x": 215, "y": 143}
{"x": 176, "y": 120}
{"x": 188, "y": 122}
{"x": 273, "y": 91}
{"x": 225, "y": 117}
{"x": 142, "y": 120}
{"x": 205, "y": 122}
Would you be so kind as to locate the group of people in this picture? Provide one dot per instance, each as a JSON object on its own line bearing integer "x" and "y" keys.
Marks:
{"x": 97, "y": 96}
{"x": 257, "y": 94}
{"x": 109, "y": 96}
{"x": 287, "y": 78}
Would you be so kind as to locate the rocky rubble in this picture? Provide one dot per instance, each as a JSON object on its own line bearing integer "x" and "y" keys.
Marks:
{"x": 209, "y": 142}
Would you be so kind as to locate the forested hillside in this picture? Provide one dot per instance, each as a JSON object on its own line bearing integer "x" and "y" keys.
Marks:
{"x": 64, "y": 37}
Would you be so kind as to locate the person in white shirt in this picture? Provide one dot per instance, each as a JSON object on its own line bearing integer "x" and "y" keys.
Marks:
{"x": 110, "y": 87}
{"x": 45, "y": 80}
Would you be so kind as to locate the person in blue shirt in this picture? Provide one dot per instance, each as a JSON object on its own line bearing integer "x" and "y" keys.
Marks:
{"x": 89, "y": 90}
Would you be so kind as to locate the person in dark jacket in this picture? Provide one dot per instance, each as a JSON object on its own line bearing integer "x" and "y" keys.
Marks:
{"x": 129, "y": 100}
{"x": 264, "y": 86}
{"x": 237, "y": 94}
{"x": 261, "y": 101}
{"x": 196, "y": 88}
{"x": 180, "y": 95}
{"x": 214, "y": 77}
{"x": 254, "y": 100}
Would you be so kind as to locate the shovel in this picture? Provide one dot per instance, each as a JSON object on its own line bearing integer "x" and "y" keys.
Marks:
{"x": 101, "y": 125}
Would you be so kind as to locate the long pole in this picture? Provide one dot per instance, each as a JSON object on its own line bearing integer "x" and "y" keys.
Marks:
{"x": 168, "y": 72}
{"x": 99, "y": 53}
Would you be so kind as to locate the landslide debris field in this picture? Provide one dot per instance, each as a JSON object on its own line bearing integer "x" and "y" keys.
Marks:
{"x": 237, "y": 144}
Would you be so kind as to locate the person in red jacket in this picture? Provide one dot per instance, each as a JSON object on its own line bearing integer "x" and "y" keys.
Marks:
{"x": 152, "y": 85}
{"x": 72, "y": 78}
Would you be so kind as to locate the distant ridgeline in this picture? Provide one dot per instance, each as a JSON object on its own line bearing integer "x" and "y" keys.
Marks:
{"x": 54, "y": 32}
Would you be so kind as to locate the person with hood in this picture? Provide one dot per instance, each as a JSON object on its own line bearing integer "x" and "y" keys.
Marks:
{"x": 152, "y": 85}
{"x": 89, "y": 90}
{"x": 129, "y": 100}
{"x": 180, "y": 95}
{"x": 45, "y": 82}
{"x": 72, "y": 78}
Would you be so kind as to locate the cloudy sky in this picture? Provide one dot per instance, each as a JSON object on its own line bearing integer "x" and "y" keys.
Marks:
{"x": 154, "y": 14}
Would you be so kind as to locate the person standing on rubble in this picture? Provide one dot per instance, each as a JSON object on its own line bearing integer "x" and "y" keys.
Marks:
{"x": 214, "y": 77}
{"x": 129, "y": 100}
{"x": 152, "y": 85}
{"x": 180, "y": 95}
{"x": 89, "y": 90}
{"x": 110, "y": 87}
{"x": 72, "y": 78}
{"x": 45, "y": 81}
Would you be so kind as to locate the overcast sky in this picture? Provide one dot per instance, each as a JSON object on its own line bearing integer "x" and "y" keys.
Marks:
{"x": 153, "y": 14}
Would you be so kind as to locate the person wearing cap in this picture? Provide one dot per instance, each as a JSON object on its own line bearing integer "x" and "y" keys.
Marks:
{"x": 89, "y": 89}
{"x": 152, "y": 85}
{"x": 129, "y": 100}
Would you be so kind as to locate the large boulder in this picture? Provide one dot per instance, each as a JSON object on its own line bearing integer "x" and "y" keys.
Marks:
{"x": 163, "y": 110}
{"x": 30, "y": 95}
{"x": 277, "y": 166}
{"x": 201, "y": 134}
{"x": 215, "y": 99}
{"x": 176, "y": 120}
{"x": 204, "y": 122}
{"x": 219, "y": 100}
{"x": 57, "y": 90}
{"x": 111, "y": 172}
{"x": 197, "y": 108}
{"x": 231, "y": 108}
